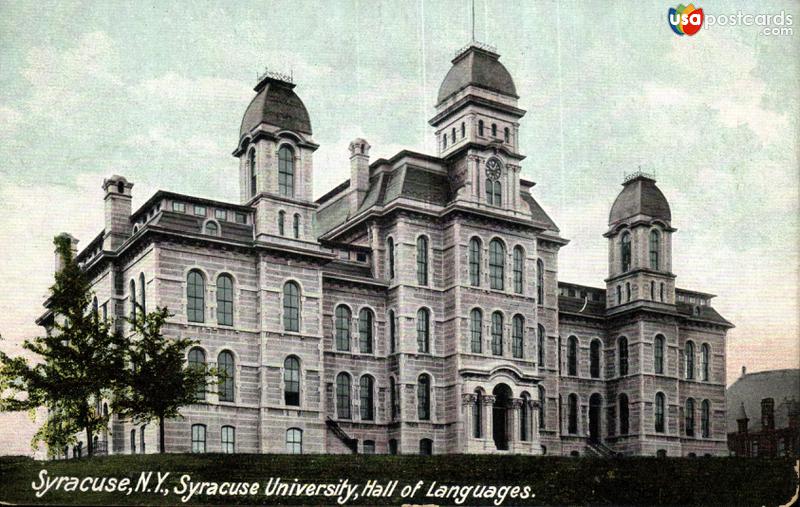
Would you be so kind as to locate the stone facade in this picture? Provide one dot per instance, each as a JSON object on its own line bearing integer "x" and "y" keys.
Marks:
{"x": 416, "y": 307}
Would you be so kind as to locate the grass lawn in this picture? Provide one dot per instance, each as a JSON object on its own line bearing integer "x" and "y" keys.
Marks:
{"x": 553, "y": 480}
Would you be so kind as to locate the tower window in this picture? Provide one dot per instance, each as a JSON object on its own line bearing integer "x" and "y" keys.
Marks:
{"x": 572, "y": 356}
{"x": 444, "y": 140}
{"x": 476, "y": 330}
{"x": 197, "y": 360}
{"x": 423, "y": 330}
{"x": 689, "y": 360}
{"x": 390, "y": 255}
{"x": 343, "y": 316}
{"x": 519, "y": 264}
{"x": 540, "y": 344}
{"x": 517, "y": 336}
{"x": 507, "y": 135}
{"x": 619, "y": 294}
{"x": 623, "y": 356}
{"x": 251, "y": 165}
{"x": 689, "y": 417}
{"x": 497, "y": 255}
{"x": 291, "y": 307}
{"x": 540, "y": 282}
{"x": 392, "y": 332}
{"x": 343, "y": 396}
{"x": 628, "y": 291}
{"x": 286, "y": 171}
{"x": 659, "y": 419}
{"x": 195, "y": 297}
{"x": 291, "y": 381}
{"x": 453, "y": 133}
{"x": 120, "y": 188}
{"x": 365, "y": 331}
{"x": 225, "y": 300}
{"x": 422, "y": 260}
{"x": 493, "y": 193}
{"x": 497, "y": 334}
{"x": 463, "y": 130}
{"x": 594, "y": 359}
{"x": 296, "y": 226}
{"x": 655, "y": 247}
{"x": 424, "y": 397}
{"x": 626, "y": 252}
{"x": 475, "y": 262}
{"x": 225, "y": 366}
{"x": 480, "y": 128}
{"x": 494, "y": 130}
{"x": 281, "y": 223}
{"x": 658, "y": 354}
{"x": 366, "y": 395}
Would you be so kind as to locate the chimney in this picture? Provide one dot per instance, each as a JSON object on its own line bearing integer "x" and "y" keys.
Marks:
{"x": 60, "y": 261}
{"x": 744, "y": 370}
{"x": 118, "y": 212}
{"x": 359, "y": 173}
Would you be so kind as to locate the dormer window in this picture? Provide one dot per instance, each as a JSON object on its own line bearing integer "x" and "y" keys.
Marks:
{"x": 178, "y": 207}
{"x": 199, "y": 210}
{"x": 221, "y": 214}
{"x": 240, "y": 218}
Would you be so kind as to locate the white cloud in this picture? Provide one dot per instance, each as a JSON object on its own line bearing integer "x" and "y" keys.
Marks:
{"x": 185, "y": 92}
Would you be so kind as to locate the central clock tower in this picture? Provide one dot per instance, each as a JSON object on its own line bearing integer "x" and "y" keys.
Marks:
{"x": 477, "y": 129}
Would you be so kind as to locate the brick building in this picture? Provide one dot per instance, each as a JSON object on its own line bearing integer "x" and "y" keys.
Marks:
{"x": 416, "y": 307}
{"x": 764, "y": 414}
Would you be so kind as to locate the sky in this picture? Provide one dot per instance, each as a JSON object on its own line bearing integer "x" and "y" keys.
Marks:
{"x": 155, "y": 91}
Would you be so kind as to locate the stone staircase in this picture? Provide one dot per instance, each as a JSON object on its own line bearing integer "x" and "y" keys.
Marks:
{"x": 337, "y": 430}
{"x": 598, "y": 449}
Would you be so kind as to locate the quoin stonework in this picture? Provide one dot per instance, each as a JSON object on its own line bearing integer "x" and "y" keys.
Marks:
{"x": 416, "y": 307}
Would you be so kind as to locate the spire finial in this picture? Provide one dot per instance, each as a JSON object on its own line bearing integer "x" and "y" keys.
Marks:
{"x": 473, "y": 20}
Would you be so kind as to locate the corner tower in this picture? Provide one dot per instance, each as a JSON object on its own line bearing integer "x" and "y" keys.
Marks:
{"x": 477, "y": 128}
{"x": 640, "y": 245}
{"x": 275, "y": 153}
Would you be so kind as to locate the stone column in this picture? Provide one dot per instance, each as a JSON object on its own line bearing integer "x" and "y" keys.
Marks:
{"x": 488, "y": 431}
{"x": 468, "y": 401}
{"x": 515, "y": 428}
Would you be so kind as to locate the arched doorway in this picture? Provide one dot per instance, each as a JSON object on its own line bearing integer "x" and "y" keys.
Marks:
{"x": 595, "y": 407}
{"x": 500, "y": 416}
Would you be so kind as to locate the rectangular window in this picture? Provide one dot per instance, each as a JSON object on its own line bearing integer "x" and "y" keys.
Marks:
{"x": 241, "y": 218}
{"x": 221, "y": 214}
{"x": 198, "y": 438}
{"x": 228, "y": 439}
{"x": 178, "y": 207}
{"x": 199, "y": 210}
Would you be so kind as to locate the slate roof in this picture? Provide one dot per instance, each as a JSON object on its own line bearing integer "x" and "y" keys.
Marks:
{"x": 539, "y": 216}
{"x": 751, "y": 388}
{"x": 705, "y": 313}
{"x": 478, "y": 67}
{"x": 640, "y": 196}
{"x": 184, "y": 222}
{"x": 276, "y": 104}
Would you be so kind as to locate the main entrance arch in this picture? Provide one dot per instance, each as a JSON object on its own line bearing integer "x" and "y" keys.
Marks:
{"x": 500, "y": 416}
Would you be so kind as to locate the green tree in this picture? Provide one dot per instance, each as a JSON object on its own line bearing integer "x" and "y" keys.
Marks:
{"x": 77, "y": 362}
{"x": 156, "y": 382}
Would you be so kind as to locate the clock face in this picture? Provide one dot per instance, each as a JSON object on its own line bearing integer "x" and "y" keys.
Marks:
{"x": 493, "y": 169}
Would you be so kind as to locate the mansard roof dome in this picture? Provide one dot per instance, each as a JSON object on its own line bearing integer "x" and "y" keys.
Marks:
{"x": 640, "y": 196}
{"x": 479, "y": 67}
{"x": 278, "y": 105}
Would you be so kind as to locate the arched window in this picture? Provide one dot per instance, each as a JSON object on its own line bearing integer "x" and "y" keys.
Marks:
{"x": 542, "y": 408}
{"x": 393, "y": 400}
{"x": 463, "y": 130}
{"x": 424, "y": 397}
{"x": 228, "y": 439}
{"x": 655, "y": 248}
{"x": 291, "y": 307}
{"x": 594, "y": 359}
{"x": 226, "y": 369}
{"x": 390, "y": 255}
{"x": 497, "y": 333}
{"x": 343, "y": 316}
{"x": 286, "y": 171}
{"x": 507, "y": 135}
{"x": 497, "y": 258}
{"x": 296, "y": 226}
{"x": 659, "y": 419}
{"x": 704, "y": 358}
{"x": 494, "y": 193}
{"x": 198, "y": 438}
{"x": 652, "y": 290}
{"x": 294, "y": 441}
{"x": 142, "y": 295}
{"x": 540, "y": 338}
{"x": 392, "y": 332}
{"x": 624, "y": 426}
{"x": 619, "y": 294}
{"x": 705, "y": 418}
{"x": 426, "y": 447}
{"x": 476, "y": 330}
{"x": 132, "y": 299}
{"x": 480, "y": 128}
{"x": 475, "y": 262}
{"x": 572, "y": 356}
{"x": 689, "y": 352}
{"x": 197, "y": 359}
{"x": 572, "y": 414}
{"x": 628, "y": 291}
{"x": 517, "y": 336}
{"x": 225, "y": 300}
{"x": 689, "y": 417}
{"x": 658, "y": 354}
{"x": 365, "y": 330}
{"x": 494, "y": 130}
{"x": 291, "y": 381}
{"x": 519, "y": 269}
{"x": 343, "y": 396}
{"x": 366, "y": 388}
{"x": 626, "y": 251}
{"x": 524, "y": 417}
{"x": 477, "y": 415}
{"x": 623, "y": 355}
{"x": 195, "y": 297}
{"x": 212, "y": 229}
{"x": 540, "y": 282}
{"x": 453, "y": 133}
{"x": 662, "y": 292}
{"x": 251, "y": 165}
{"x": 282, "y": 223}
{"x": 444, "y": 140}
{"x": 423, "y": 330}
{"x": 422, "y": 260}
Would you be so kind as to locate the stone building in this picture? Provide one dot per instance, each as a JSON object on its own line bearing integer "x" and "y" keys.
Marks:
{"x": 764, "y": 414}
{"x": 416, "y": 307}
